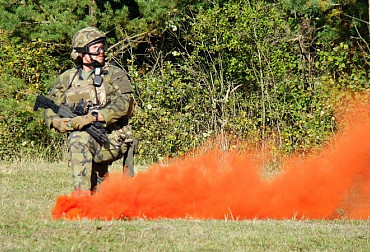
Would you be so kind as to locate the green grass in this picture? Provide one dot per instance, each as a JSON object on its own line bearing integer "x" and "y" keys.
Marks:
{"x": 28, "y": 193}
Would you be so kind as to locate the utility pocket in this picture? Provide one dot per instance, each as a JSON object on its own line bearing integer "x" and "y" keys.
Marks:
{"x": 119, "y": 139}
{"x": 108, "y": 152}
{"x": 83, "y": 92}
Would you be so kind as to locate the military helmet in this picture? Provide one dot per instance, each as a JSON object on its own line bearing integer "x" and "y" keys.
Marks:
{"x": 83, "y": 39}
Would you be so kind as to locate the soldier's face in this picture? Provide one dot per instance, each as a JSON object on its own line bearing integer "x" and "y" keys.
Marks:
{"x": 96, "y": 53}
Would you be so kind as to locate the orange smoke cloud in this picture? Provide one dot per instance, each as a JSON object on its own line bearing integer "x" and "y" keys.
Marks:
{"x": 335, "y": 183}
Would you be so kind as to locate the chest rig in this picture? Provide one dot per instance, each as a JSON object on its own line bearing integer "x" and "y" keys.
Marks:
{"x": 92, "y": 90}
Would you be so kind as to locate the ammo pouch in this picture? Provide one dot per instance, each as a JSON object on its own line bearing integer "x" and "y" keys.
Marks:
{"x": 123, "y": 138}
{"x": 123, "y": 135}
{"x": 86, "y": 91}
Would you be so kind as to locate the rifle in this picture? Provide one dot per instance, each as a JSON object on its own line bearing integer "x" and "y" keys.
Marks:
{"x": 96, "y": 131}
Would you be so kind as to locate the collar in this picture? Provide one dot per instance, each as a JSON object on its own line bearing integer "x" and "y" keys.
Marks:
{"x": 85, "y": 75}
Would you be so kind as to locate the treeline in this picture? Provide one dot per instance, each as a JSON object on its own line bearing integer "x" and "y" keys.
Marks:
{"x": 268, "y": 72}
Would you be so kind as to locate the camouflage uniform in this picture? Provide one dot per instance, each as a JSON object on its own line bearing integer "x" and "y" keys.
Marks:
{"x": 89, "y": 159}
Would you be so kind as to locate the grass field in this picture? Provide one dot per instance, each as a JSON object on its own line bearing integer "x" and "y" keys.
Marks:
{"x": 28, "y": 193}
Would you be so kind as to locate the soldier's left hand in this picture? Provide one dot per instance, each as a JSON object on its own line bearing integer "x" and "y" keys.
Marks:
{"x": 79, "y": 122}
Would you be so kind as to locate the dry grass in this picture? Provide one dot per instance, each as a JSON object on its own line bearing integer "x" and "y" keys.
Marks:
{"x": 28, "y": 193}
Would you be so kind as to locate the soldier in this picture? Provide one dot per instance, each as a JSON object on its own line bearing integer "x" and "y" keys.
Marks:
{"x": 104, "y": 93}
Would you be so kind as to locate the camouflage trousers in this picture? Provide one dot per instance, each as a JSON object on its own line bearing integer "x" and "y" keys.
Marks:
{"x": 90, "y": 160}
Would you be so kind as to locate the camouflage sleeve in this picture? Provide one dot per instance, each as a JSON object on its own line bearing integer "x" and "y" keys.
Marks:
{"x": 56, "y": 94}
{"x": 120, "y": 97}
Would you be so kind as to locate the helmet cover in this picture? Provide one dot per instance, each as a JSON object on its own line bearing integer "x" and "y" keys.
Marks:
{"x": 83, "y": 39}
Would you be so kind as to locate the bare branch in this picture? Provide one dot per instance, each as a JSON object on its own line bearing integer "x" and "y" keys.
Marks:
{"x": 131, "y": 39}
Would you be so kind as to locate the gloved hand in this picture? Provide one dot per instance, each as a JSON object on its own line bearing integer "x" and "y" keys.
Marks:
{"x": 79, "y": 122}
{"x": 61, "y": 124}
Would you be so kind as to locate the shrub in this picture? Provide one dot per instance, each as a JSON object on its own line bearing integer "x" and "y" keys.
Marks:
{"x": 23, "y": 70}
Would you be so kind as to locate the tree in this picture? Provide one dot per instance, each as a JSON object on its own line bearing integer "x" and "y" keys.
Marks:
{"x": 336, "y": 21}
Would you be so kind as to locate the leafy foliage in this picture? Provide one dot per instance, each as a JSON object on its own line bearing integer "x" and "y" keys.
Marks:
{"x": 344, "y": 68}
{"x": 335, "y": 21}
{"x": 23, "y": 69}
{"x": 262, "y": 71}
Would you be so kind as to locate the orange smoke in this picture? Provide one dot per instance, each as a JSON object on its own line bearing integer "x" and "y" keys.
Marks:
{"x": 332, "y": 184}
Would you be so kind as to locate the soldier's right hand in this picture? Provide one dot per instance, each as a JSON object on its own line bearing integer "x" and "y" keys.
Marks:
{"x": 61, "y": 124}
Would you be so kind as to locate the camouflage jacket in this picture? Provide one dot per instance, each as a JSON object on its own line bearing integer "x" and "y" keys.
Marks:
{"x": 116, "y": 111}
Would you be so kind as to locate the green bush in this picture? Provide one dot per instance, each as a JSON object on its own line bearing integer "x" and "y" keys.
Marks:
{"x": 24, "y": 71}
{"x": 164, "y": 123}
{"x": 254, "y": 70}
{"x": 246, "y": 57}
{"x": 344, "y": 68}
{"x": 238, "y": 73}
